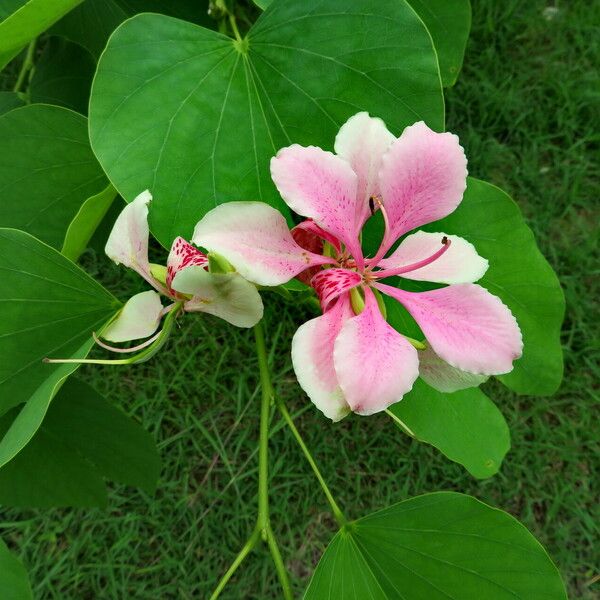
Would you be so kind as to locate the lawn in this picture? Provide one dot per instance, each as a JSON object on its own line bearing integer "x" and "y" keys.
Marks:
{"x": 526, "y": 110}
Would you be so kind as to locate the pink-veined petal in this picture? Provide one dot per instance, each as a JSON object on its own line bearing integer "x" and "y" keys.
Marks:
{"x": 422, "y": 179}
{"x": 312, "y": 357}
{"x": 444, "y": 377}
{"x": 459, "y": 264}
{"x": 331, "y": 283}
{"x": 311, "y": 237}
{"x": 226, "y": 295}
{"x": 183, "y": 255}
{"x": 255, "y": 239}
{"x": 320, "y": 185}
{"x": 375, "y": 365}
{"x": 138, "y": 319}
{"x": 466, "y": 326}
{"x": 362, "y": 141}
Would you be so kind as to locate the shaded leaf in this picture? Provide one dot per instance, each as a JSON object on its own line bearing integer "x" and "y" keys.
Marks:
{"x": 14, "y": 582}
{"x": 9, "y": 100}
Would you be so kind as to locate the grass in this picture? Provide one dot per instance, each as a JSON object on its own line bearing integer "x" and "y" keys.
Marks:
{"x": 526, "y": 108}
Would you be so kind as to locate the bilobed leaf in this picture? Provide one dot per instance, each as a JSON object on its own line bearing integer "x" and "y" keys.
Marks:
{"x": 520, "y": 276}
{"x": 436, "y": 546}
{"x": 14, "y": 582}
{"x": 195, "y": 116}
{"x": 47, "y": 170}
{"x": 63, "y": 75}
{"x": 466, "y": 426}
{"x": 86, "y": 221}
{"x": 9, "y": 100}
{"x": 449, "y": 23}
{"x": 48, "y": 308}
{"x": 27, "y": 22}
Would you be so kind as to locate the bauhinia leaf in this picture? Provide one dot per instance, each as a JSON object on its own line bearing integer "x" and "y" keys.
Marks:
{"x": 9, "y": 100}
{"x": 14, "y": 582}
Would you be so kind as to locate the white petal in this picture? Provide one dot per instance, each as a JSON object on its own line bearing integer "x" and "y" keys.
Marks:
{"x": 139, "y": 318}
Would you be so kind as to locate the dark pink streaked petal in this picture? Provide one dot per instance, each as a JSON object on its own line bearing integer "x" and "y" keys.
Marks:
{"x": 331, "y": 283}
{"x": 466, "y": 326}
{"x": 310, "y": 236}
{"x": 183, "y": 255}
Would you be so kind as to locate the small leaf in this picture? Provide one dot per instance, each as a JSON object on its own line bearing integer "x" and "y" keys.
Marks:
{"x": 47, "y": 170}
{"x": 86, "y": 221}
{"x": 14, "y": 582}
{"x": 27, "y": 22}
{"x": 466, "y": 426}
{"x": 9, "y": 100}
{"x": 436, "y": 546}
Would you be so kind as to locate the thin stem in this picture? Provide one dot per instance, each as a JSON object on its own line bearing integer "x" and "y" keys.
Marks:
{"x": 234, "y": 27}
{"x": 279, "y": 565}
{"x": 339, "y": 515}
{"x": 246, "y": 549}
{"x": 26, "y": 66}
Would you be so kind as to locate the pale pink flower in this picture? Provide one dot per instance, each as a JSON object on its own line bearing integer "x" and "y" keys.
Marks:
{"x": 350, "y": 358}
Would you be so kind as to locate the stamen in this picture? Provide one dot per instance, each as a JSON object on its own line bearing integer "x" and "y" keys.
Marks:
{"x": 384, "y": 245}
{"x": 417, "y": 265}
{"x": 145, "y": 344}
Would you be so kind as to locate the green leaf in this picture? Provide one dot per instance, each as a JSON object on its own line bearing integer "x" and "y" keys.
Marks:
{"x": 82, "y": 440}
{"x": 198, "y": 124}
{"x": 520, "y": 276}
{"x": 449, "y": 23}
{"x": 86, "y": 221}
{"x": 27, "y": 22}
{"x": 47, "y": 170}
{"x": 9, "y": 100}
{"x": 14, "y": 582}
{"x": 48, "y": 308}
{"x": 437, "y": 546}
{"x": 466, "y": 426}
{"x": 91, "y": 24}
{"x": 63, "y": 76}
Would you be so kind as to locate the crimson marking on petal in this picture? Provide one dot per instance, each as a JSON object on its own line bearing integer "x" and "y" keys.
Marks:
{"x": 183, "y": 255}
{"x": 331, "y": 283}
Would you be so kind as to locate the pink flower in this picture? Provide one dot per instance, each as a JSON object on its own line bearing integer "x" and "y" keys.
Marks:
{"x": 350, "y": 358}
{"x": 185, "y": 281}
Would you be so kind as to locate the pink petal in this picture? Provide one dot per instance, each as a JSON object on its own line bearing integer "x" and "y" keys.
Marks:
{"x": 183, "y": 255}
{"x": 362, "y": 141}
{"x": 466, "y": 326}
{"x": 443, "y": 377}
{"x": 459, "y": 264}
{"x": 331, "y": 283}
{"x": 318, "y": 184}
{"x": 138, "y": 319}
{"x": 312, "y": 357}
{"x": 375, "y": 365}
{"x": 255, "y": 239}
{"x": 310, "y": 236}
{"x": 422, "y": 179}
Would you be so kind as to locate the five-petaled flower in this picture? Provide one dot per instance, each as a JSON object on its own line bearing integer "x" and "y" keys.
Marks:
{"x": 350, "y": 358}
{"x": 186, "y": 282}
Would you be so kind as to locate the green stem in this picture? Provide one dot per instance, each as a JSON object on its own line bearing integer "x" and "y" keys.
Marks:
{"x": 248, "y": 547}
{"x": 339, "y": 515}
{"x": 234, "y": 27}
{"x": 279, "y": 565}
{"x": 26, "y": 66}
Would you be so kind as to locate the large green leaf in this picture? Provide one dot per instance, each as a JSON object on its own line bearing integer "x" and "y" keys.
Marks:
{"x": 449, "y": 22}
{"x": 466, "y": 426}
{"x": 437, "y": 546}
{"x": 63, "y": 75}
{"x": 519, "y": 275}
{"x": 9, "y": 100}
{"x": 27, "y": 22}
{"x": 91, "y": 24}
{"x": 82, "y": 440}
{"x": 14, "y": 582}
{"x": 47, "y": 170}
{"x": 48, "y": 308}
{"x": 195, "y": 116}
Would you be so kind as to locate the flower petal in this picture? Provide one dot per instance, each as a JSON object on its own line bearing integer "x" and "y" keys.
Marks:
{"x": 331, "y": 283}
{"x": 311, "y": 237}
{"x": 466, "y": 326}
{"x": 182, "y": 255}
{"x": 138, "y": 319}
{"x": 225, "y": 295}
{"x": 444, "y": 377}
{"x": 422, "y": 179}
{"x": 375, "y": 365}
{"x": 320, "y": 185}
{"x": 312, "y": 357}
{"x": 362, "y": 141}
{"x": 255, "y": 239}
{"x": 459, "y": 264}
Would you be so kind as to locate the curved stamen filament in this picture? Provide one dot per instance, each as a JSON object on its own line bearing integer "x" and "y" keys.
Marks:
{"x": 377, "y": 201}
{"x": 145, "y": 344}
{"x": 417, "y": 265}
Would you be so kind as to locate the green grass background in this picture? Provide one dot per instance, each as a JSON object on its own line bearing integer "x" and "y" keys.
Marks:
{"x": 526, "y": 108}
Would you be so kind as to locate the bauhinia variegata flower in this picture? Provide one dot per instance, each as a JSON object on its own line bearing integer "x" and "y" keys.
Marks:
{"x": 350, "y": 358}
